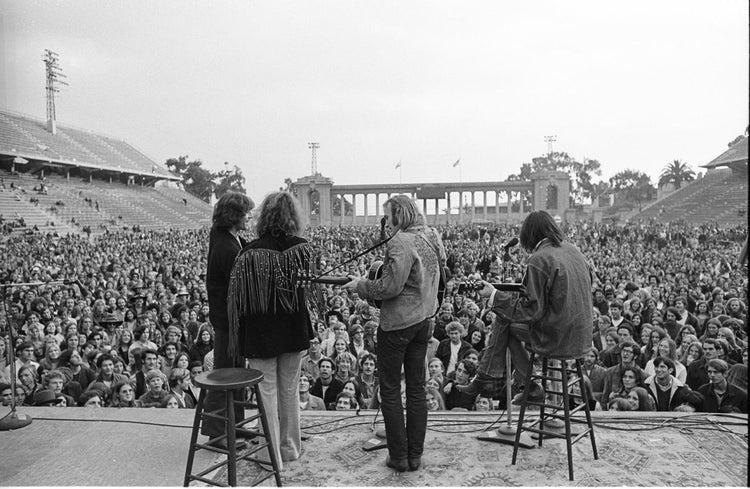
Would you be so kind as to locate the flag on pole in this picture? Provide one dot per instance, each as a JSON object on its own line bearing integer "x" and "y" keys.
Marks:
{"x": 456, "y": 163}
{"x": 398, "y": 165}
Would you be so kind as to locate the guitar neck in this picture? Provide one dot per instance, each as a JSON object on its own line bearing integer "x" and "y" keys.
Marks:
{"x": 508, "y": 287}
{"x": 331, "y": 280}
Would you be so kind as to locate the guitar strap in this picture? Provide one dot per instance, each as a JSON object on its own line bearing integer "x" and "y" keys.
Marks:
{"x": 441, "y": 269}
{"x": 373, "y": 247}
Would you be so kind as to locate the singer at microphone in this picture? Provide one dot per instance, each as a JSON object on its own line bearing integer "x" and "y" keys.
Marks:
{"x": 553, "y": 314}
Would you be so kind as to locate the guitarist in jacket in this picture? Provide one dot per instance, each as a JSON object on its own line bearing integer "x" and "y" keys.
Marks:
{"x": 408, "y": 289}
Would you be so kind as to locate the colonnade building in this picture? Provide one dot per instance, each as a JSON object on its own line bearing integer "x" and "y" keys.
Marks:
{"x": 442, "y": 203}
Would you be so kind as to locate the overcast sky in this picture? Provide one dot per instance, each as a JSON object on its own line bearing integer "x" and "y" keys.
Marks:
{"x": 633, "y": 84}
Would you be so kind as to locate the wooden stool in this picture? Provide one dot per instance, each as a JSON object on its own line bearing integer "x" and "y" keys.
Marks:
{"x": 565, "y": 417}
{"x": 228, "y": 380}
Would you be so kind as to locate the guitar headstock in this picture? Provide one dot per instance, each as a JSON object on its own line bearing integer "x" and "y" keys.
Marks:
{"x": 470, "y": 286}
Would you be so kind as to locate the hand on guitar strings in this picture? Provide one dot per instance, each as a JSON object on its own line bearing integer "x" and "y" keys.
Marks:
{"x": 351, "y": 285}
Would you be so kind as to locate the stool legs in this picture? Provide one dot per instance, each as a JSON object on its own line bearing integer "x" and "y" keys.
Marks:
{"x": 566, "y": 397}
{"x": 231, "y": 440}
{"x": 587, "y": 409}
{"x": 194, "y": 438}
{"x": 566, "y": 408}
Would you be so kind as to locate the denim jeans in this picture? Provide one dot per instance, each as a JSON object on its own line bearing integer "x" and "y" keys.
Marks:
{"x": 216, "y": 399}
{"x": 407, "y": 347}
{"x": 506, "y": 337}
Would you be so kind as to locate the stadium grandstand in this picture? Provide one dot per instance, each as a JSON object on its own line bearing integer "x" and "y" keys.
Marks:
{"x": 74, "y": 180}
{"x": 719, "y": 197}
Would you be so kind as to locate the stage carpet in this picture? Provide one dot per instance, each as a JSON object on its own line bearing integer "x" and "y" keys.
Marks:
{"x": 148, "y": 447}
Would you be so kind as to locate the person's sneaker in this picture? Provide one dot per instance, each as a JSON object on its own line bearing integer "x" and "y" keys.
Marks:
{"x": 399, "y": 465}
{"x": 414, "y": 463}
{"x": 535, "y": 395}
{"x": 482, "y": 384}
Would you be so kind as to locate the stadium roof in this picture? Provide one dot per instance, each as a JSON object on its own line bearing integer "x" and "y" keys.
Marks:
{"x": 734, "y": 157}
{"x": 26, "y": 137}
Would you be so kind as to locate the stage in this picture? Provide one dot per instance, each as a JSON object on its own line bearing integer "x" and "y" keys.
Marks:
{"x": 148, "y": 447}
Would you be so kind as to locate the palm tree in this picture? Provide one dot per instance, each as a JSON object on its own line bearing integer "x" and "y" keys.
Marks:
{"x": 676, "y": 172}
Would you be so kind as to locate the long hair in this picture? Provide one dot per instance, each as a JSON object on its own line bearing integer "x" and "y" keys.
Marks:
{"x": 279, "y": 215}
{"x": 405, "y": 213}
{"x": 537, "y": 226}
{"x": 231, "y": 209}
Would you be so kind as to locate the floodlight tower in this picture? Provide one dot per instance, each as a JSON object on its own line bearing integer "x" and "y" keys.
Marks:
{"x": 549, "y": 140}
{"x": 54, "y": 73}
{"x": 313, "y": 147}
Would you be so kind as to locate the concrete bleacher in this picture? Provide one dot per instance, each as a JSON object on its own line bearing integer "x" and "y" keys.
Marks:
{"x": 719, "y": 197}
{"x": 120, "y": 206}
{"x": 15, "y": 203}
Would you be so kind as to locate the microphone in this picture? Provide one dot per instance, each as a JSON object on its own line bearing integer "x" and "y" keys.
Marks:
{"x": 383, "y": 220}
{"x": 511, "y": 243}
{"x": 507, "y": 246}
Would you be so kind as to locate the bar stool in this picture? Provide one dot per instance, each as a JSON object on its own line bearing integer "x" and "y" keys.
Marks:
{"x": 565, "y": 416}
{"x": 228, "y": 380}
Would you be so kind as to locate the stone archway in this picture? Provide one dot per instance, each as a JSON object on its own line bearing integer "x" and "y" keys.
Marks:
{"x": 552, "y": 202}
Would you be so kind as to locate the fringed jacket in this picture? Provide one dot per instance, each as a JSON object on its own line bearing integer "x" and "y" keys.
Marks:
{"x": 267, "y": 309}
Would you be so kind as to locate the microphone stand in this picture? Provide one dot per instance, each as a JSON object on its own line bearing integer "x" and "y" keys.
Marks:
{"x": 506, "y": 434}
{"x": 12, "y": 420}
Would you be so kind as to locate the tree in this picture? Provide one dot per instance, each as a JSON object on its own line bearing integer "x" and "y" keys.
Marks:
{"x": 195, "y": 179}
{"x": 676, "y": 173}
{"x": 523, "y": 176}
{"x": 580, "y": 173}
{"x": 633, "y": 185}
{"x": 232, "y": 180}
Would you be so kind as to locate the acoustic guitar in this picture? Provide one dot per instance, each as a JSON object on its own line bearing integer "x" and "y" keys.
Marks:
{"x": 375, "y": 272}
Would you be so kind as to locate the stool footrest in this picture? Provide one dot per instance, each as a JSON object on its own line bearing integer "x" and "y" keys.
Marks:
{"x": 546, "y": 377}
{"x": 231, "y": 381}
{"x": 207, "y": 481}
{"x": 210, "y": 469}
{"x": 203, "y": 446}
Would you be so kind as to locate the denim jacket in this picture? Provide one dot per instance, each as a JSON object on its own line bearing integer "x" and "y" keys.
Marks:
{"x": 557, "y": 304}
{"x": 408, "y": 286}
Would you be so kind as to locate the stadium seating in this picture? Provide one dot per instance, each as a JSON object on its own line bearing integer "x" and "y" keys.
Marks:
{"x": 720, "y": 197}
{"x": 120, "y": 206}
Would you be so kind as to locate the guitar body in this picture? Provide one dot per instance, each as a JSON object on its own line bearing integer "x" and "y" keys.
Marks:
{"x": 374, "y": 273}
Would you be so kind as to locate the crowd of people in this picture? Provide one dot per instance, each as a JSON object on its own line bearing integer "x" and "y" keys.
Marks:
{"x": 122, "y": 319}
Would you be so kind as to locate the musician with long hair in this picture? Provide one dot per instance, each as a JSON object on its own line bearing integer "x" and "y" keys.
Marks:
{"x": 554, "y": 313}
{"x": 408, "y": 289}
{"x": 269, "y": 320}
{"x": 229, "y": 218}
